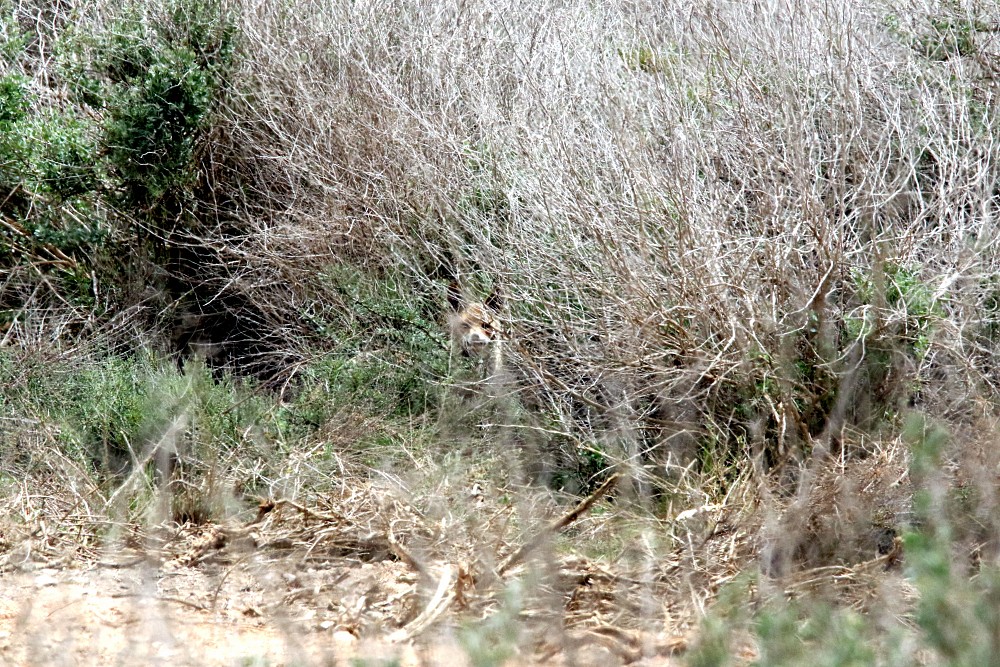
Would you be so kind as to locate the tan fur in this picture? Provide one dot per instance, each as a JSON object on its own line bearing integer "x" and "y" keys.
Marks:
{"x": 473, "y": 328}
{"x": 475, "y": 332}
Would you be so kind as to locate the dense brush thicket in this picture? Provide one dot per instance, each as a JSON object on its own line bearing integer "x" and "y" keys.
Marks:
{"x": 732, "y": 245}
{"x": 722, "y": 234}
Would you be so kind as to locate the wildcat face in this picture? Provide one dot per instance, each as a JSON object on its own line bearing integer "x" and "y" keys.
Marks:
{"x": 475, "y": 326}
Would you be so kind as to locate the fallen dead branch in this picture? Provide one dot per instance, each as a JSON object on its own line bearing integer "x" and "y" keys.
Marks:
{"x": 439, "y": 603}
{"x": 557, "y": 525}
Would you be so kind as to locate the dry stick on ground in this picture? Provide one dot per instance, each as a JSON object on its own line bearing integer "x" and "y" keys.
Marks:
{"x": 558, "y": 524}
{"x": 404, "y": 555}
{"x": 162, "y": 598}
{"x": 444, "y": 596}
{"x": 312, "y": 514}
{"x": 440, "y": 602}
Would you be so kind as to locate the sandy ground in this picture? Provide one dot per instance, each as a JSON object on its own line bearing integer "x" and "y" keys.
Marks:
{"x": 251, "y": 613}
{"x": 135, "y": 616}
{"x": 141, "y": 616}
{"x": 334, "y": 586}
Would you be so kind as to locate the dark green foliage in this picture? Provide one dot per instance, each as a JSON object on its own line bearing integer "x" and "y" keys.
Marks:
{"x": 49, "y": 180}
{"x": 493, "y": 641}
{"x": 819, "y": 635}
{"x": 487, "y": 196}
{"x": 643, "y": 58}
{"x": 155, "y": 79}
{"x": 66, "y": 166}
{"x": 987, "y": 335}
{"x": 206, "y": 29}
{"x": 12, "y": 38}
{"x": 787, "y": 394}
{"x": 952, "y": 31}
{"x": 14, "y": 147}
{"x": 715, "y": 644}
{"x": 85, "y": 177}
{"x": 957, "y": 616}
{"x": 593, "y": 465}
{"x": 99, "y": 411}
{"x": 48, "y": 164}
{"x": 14, "y": 100}
{"x": 956, "y": 619}
{"x": 949, "y": 37}
{"x": 889, "y": 331}
{"x": 50, "y": 156}
{"x": 154, "y": 126}
{"x": 900, "y": 288}
{"x": 778, "y": 404}
{"x": 162, "y": 79}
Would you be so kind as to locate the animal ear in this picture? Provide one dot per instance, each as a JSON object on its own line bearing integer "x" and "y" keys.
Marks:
{"x": 455, "y": 299}
{"x": 494, "y": 301}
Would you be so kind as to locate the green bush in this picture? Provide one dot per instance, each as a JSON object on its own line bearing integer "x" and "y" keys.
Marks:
{"x": 957, "y": 613}
{"x": 955, "y": 617}
{"x": 65, "y": 164}
{"x": 50, "y": 175}
{"x": 15, "y": 148}
{"x": 12, "y": 38}
{"x": 950, "y": 32}
{"x": 98, "y": 411}
{"x": 154, "y": 127}
{"x": 14, "y": 100}
{"x": 162, "y": 80}
{"x": 898, "y": 288}
{"x": 493, "y": 641}
{"x": 891, "y": 326}
{"x": 779, "y": 401}
{"x": 112, "y": 411}
{"x": 84, "y": 177}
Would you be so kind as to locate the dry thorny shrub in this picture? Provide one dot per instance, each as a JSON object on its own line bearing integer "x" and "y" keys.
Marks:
{"x": 708, "y": 223}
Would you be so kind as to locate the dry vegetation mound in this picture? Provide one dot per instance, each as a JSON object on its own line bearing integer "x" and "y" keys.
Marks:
{"x": 739, "y": 263}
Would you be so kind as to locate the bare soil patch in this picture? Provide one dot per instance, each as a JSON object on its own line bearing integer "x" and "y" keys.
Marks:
{"x": 260, "y": 613}
{"x": 315, "y": 586}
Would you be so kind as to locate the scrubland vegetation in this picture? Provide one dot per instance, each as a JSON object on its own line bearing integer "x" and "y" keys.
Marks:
{"x": 748, "y": 262}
